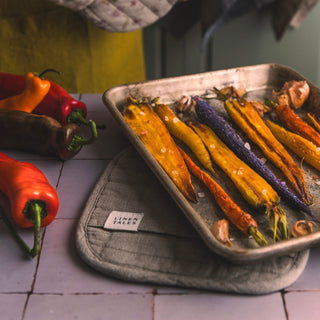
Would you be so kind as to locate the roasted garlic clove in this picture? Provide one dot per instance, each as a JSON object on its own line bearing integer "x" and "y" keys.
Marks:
{"x": 299, "y": 92}
{"x": 302, "y": 228}
{"x": 185, "y": 104}
{"x": 293, "y": 93}
{"x": 220, "y": 230}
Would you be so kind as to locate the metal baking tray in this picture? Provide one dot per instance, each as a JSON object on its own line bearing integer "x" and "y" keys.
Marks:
{"x": 259, "y": 80}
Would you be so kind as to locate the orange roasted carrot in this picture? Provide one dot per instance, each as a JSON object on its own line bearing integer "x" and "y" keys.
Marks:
{"x": 313, "y": 120}
{"x": 241, "y": 220}
{"x": 293, "y": 122}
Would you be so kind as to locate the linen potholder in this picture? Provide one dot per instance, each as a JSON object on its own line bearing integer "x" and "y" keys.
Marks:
{"x": 165, "y": 250}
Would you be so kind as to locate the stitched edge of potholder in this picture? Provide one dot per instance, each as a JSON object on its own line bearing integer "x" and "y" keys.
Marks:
{"x": 288, "y": 273}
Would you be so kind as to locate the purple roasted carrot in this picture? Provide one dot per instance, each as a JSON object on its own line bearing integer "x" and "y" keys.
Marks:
{"x": 209, "y": 116}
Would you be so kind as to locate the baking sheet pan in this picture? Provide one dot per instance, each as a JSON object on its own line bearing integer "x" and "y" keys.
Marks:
{"x": 259, "y": 81}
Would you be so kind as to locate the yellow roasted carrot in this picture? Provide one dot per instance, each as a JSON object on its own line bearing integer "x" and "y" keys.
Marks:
{"x": 255, "y": 190}
{"x": 248, "y": 119}
{"x": 157, "y": 139}
{"x": 184, "y": 133}
{"x": 304, "y": 148}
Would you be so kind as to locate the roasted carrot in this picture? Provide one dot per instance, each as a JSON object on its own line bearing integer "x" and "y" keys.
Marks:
{"x": 157, "y": 139}
{"x": 241, "y": 220}
{"x": 248, "y": 119}
{"x": 304, "y": 148}
{"x": 314, "y": 121}
{"x": 294, "y": 123}
{"x": 209, "y": 116}
{"x": 254, "y": 189}
{"x": 184, "y": 133}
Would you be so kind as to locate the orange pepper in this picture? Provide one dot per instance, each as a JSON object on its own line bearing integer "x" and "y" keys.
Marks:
{"x": 33, "y": 200}
{"x": 34, "y": 92}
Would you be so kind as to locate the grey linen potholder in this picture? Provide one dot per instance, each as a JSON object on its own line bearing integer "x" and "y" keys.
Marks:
{"x": 166, "y": 250}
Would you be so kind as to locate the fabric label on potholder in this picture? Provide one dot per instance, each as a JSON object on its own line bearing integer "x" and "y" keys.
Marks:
{"x": 121, "y": 220}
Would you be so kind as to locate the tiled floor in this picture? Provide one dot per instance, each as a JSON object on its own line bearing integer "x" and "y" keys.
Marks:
{"x": 58, "y": 285}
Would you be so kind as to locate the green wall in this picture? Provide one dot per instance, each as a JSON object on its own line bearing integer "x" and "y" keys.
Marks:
{"x": 250, "y": 40}
{"x": 247, "y": 40}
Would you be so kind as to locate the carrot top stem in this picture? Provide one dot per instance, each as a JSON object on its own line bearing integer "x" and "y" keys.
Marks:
{"x": 257, "y": 235}
{"x": 278, "y": 222}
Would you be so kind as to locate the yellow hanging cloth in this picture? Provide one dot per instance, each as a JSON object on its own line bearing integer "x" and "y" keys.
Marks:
{"x": 36, "y": 35}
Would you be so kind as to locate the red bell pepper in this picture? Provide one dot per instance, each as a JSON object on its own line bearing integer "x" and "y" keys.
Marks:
{"x": 57, "y": 103}
{"x": 33, "y": 201}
